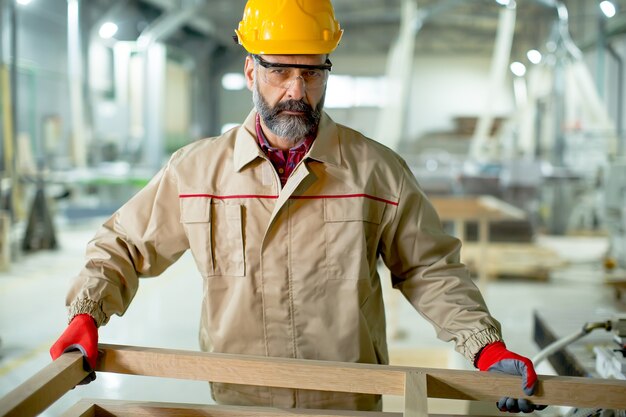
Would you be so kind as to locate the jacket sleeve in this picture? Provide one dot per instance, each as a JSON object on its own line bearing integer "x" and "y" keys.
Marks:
{"x": 425, "y": 266}
{"x": 141, "y": 239}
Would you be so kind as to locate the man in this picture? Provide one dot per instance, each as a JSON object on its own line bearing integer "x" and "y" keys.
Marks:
{"x": 286, "y": 217}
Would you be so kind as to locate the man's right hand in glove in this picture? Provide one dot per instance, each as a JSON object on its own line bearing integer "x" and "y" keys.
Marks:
{"x": 82, "y": 335}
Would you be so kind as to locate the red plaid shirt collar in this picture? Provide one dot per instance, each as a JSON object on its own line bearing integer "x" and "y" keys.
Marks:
{"x": 284, "y": 161}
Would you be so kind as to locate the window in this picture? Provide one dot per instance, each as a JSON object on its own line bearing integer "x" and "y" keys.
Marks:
{"x": 233, "y": 81}
{"x": 346, "y": 91}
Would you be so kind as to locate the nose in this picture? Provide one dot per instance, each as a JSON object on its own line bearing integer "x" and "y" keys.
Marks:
{"x": 296, "y": 88}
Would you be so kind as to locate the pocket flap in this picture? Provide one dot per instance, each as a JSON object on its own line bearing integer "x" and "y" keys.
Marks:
{"x": 353, "y": 209}
{"x": 195, "y": 210}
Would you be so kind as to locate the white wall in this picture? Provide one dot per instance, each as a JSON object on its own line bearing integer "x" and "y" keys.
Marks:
{"x": 444, "y": 87}
{"x": 447, "y": 87}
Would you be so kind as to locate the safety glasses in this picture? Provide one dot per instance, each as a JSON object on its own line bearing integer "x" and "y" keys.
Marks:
{"x": 282, "y": 75}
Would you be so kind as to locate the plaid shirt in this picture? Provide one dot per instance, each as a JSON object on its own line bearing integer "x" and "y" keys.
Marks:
{"x": 284, "y": 161}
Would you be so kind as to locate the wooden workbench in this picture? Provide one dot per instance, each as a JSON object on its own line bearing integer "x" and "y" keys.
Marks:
{"x": 482, "y": 210}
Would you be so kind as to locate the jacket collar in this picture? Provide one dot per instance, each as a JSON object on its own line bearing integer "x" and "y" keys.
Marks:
{"x": 326, "y": 146}
{"x": 246, "y": 147}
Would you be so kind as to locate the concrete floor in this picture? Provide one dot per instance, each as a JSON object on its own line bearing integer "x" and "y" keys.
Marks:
{"x": 165, "y": 313}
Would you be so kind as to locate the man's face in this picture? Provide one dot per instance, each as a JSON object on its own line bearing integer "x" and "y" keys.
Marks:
{"x": 288, "y": 100}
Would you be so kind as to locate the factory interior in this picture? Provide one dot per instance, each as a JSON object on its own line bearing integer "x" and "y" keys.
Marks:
{"x": 509, "y": 114}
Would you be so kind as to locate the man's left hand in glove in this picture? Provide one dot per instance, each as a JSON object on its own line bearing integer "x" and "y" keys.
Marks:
{"x": 496, "y": 358}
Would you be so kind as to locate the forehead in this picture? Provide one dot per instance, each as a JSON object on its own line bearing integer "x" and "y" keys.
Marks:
{"x": 295, "y": 59}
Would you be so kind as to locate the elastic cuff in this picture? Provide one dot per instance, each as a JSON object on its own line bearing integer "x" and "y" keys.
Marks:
{"x": 477, "y": 341}
{"x": 87, "y": 306}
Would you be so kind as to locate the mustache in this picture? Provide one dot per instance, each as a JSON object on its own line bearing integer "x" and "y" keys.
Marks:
{"x": 293, "y": 105}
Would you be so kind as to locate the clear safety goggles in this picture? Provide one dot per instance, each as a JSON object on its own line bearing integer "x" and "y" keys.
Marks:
{"x": 282, "y": 75}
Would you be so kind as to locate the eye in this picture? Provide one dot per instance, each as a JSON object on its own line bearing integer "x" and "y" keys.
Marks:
{"x": 312, "y": 74}
{"x": 277, "y": 71}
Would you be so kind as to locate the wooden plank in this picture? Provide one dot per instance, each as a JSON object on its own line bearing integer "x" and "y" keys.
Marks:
{"x": 415, "y": 395}
{"x": 251, "y": 370}
{"x": 108, "y": 408}
{"x": 45, "y": 387}
{"x": 504, "y": 209}
{"x": 122, "y": 408}
{"x": 483, "y": 210}
{"x": 475, "y": 208}
{"x": 83, "y": 408}
{"x": 457, "y": 208}
{"x": 352, "y": 377}
{"x": 571, "y": 391}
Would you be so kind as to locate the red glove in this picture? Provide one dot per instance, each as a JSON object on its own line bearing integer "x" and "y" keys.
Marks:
{"x": 496, "y": 358}
{"x": 82, "y": 335}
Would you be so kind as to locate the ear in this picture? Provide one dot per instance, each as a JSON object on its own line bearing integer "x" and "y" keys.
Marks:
{"x": 248, "y": 71}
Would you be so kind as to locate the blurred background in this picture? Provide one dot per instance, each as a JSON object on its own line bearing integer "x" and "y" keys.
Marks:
{"x": 509, "y": 113}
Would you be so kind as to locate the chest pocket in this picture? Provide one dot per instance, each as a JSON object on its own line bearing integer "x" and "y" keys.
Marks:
{"x": 351, "y": 228}
{"x": 215, "y": 233}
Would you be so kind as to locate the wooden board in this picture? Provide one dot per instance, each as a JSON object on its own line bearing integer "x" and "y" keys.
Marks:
{"x": 480, "y": 209}
{"x": 108, "y": 408}
{"x": 354, "y": 377}
{"x": 475, "y": 208}
{"x": 414, "y": 384}
{"x": 44, "y": 388}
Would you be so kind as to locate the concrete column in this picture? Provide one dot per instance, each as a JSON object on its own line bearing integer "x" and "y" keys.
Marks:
{"x": 76, "y": 74}
{"x": 153, "y": 93}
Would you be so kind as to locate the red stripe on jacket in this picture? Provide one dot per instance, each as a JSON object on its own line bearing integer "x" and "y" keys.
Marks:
{"x": 296, "y": 197}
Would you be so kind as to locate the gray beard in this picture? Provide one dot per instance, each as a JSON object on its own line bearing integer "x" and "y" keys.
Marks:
{"x": 291, "y": 128}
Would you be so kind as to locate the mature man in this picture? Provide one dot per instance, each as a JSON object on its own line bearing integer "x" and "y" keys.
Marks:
{"x": 286, "y": 217}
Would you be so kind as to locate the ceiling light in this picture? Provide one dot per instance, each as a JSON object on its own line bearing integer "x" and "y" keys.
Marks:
{"x": 518, "y": 69}
{"x": 509, "y": 4}
{"x": 23, "y": 2}
{"x": 534, "y": 56}
{"x": 233, "y": 81}
{"x": 607, "y": 8}
{"x": 107, "y": 30}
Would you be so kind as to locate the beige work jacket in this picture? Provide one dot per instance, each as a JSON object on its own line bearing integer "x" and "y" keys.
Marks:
{"x": 289, "y": 272}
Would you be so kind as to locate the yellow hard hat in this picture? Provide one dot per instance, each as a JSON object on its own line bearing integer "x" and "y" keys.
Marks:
{"x": 289, "y": 27}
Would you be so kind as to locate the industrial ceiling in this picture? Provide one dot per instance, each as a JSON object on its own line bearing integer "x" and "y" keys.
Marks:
{"x": 449, "y": 26}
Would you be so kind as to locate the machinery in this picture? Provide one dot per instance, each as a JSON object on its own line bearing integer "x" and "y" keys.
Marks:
{"x": 611, "y": 361}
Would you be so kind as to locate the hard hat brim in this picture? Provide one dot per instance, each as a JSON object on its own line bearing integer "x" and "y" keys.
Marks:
{"x": 278, "y": 47}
